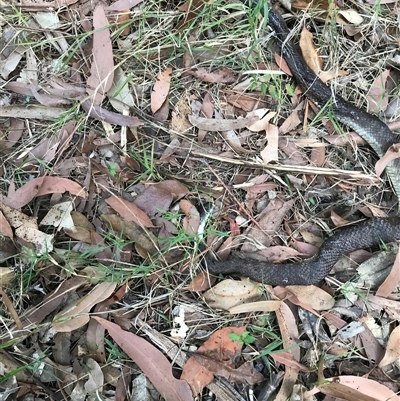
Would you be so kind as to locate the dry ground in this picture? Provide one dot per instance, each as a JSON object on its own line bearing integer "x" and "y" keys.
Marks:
{"x": 136, "y": 136}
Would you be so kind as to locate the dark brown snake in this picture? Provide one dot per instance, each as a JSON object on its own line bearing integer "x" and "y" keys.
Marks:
{"x": 367, "y": 234}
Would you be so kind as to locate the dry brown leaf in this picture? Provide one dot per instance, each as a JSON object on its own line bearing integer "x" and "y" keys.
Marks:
{"x": 36, "y": 314}
{"x": 351, "y": 16}
{"x": 260, "y": 188}
{"x": 15, "y": 132}
{"x": 26, "y": 230}
{"x": 22, "y": 196}
{"x": 321, "y": 5}
{"x": 12, "y": 57}
{"x": 392, "y": 348}
{"x": 22, "y": 88}
{"x": 29, "y": 111}
{"x": 179, "y": 122}
{"x": 318, "y": 156}
{"x": 243, "y": 374}
{"x": 232, "y": 138}
{"x": 391, "y": 154}
{"x": 58, "y": 185}
{"x": 219, "y": 347}
{"x": 102, "y": 68}
{"x": 304, "y": 248}
{"x": 121, "y": 17}
{"x": 192, "y": 9}
{"x": 207, "y": 106}
{"x": 326, "y": 76}
{"x": 197, "y": 375}
{"x": 151, "y": 361}
{"x": 372, "y": 211}
{"x": 49, "y": 147}
{"x": 270, "y": 152}
{"x": 215, "y": 124}
{"x": 161, "y": 89}
{"x": 342, "y": 140}
{"x": 259, "y": 306}
{"x": 229, "y": 293}
{"x": 264, "y": 118}
{"x": 16, "y": 218}
{"x": 316, "y": 297}
{"x": 337, "y": 220}
{"x": 203, "y": 281}
{"x": 295, "y": 155}
{"x": 279, "y": 253}
{"x": 284, "y": 293}
{"x": 171, "y": 148}
{"x": 223, "y": 75}
{"x": 95, "y": 336}
{"x": 282, "y": 65}
{"x": 191, "y": 221}
{"x": 377, "y": 96}
{"x": 60, "y": 216}
{"x": 6, "y": 275}
{"x": 120, "y": 94}
{"x": 5, "y": 228}
{"x": 65, "y": 166}
{"x": 102, "y": 114}
{"x": 129, "y": 211}
{"x": 293, "y": 120}
{"x": 392, "y": 308}
{"x": 120, "y": 5}
{"x": 308, "y": 142}
{"x": 313, "y": 58}
{"x": 6, "y": 301}
{"x": 49, "y": 100}
{"x": 392, "y": 280}
{"x": 311, "y": 238}
{"x": 76, "y": 315}
{"x": 354, "y": 388}
{"x": 270, "y": 221}
{"x": 95, "y": 377}
{"x": 141, "y": 237}
{"x": 9, "y": 366}
{"x": 82, "y": 228}
{"x": 290, "y": 335}
{"x": 163, "y": 112}
{"x": 310, "y": 53}
{"x": 207, "y": 110}
{"x": 225, "y": 249}
{"x": 157, "y": 197}
{"x": 287, "y": 359}
{"x": 372, "y": 348}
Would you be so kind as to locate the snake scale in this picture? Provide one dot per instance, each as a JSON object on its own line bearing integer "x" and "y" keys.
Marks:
{"x": 367, "y": 234}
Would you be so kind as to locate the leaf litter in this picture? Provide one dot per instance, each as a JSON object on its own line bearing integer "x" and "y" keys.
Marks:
{"x": 129, "y": 154}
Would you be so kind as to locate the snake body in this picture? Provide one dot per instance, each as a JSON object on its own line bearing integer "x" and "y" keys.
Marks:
{"x": 367, "y": 234}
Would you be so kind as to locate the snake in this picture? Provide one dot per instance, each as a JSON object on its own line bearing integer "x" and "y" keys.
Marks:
{"x": 366, "y": 234}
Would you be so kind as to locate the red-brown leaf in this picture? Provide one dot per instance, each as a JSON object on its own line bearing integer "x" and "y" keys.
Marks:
{"x": 151, "y": 361}
{"x": 161, "y": 89}
{"x": 102, "y": 69}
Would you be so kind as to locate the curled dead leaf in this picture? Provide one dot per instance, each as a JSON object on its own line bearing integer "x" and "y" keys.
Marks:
{"x": 229, "y": 293}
